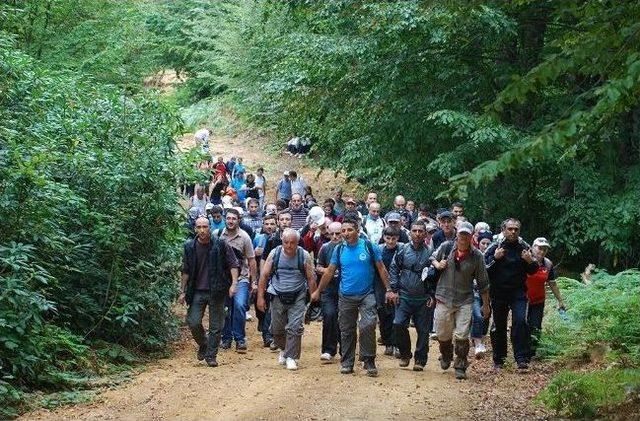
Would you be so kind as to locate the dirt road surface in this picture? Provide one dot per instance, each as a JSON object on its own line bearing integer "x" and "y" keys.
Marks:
{"x": 254, "y": 387}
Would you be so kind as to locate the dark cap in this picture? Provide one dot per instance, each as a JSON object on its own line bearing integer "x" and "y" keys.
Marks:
{"x": 446, "y": 215}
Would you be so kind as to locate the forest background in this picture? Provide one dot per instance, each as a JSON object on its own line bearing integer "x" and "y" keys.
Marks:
{"x": 525, "y": 108}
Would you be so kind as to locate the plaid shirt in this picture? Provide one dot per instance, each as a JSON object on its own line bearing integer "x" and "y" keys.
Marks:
{"x": 455, "y": 286}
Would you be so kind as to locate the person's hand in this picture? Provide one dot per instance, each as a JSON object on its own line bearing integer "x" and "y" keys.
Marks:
{"x": 181, "y": 298}
{"x": 315, "y": 296}
{"x": 258, "y": 251}
{"x": 391, "y": 297}
{"x": 486, "y": 310}
{"x": 526, "y": 255}
{"x": 261, "y": 303}
{"x": 232, "y": 290}
{"x": 253, "y": 289}
{"x": 499, "y": 253}
{"x": 440, "y": 265}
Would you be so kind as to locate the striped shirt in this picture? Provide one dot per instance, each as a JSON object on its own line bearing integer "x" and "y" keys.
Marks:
{"x": 298, "y": 217}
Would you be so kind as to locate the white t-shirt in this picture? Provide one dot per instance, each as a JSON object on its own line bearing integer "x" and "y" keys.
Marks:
{"x": 202, "y": 135}
{"x": 260, "y": 183}
{"x": 374, "y": 228}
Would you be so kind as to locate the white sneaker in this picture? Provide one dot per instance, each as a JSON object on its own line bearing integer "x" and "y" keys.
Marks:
{"x": 248, "y": 317}
{"x": 326, "y": 357}
{"x": 281, "y": 359}
{"x": 291, "y": 364}
{"x": 480, "y": 350}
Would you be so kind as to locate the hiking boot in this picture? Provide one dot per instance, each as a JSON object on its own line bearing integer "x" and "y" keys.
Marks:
{"x": 225, "y": 345}
{"x": 522, "y": 366}
{"x": 201, "y": 351}
{"x": 418, "y": 366}
{"x": 444, "y": 364}
{"x": 461, "y": 374}
{"x": 480, "y": 350}
{"x": 325, "y": 357}
{"x": 211, "y": 361}
{"x": 241, "y": 347}
{"x": 346, "y": 369}
{"x": 281, "y": 359}
{"x": 370, "y": 366}
{"x": 404, "y": 362}
{"x": 388, "y": 350}
{"x": 273, "y": 346}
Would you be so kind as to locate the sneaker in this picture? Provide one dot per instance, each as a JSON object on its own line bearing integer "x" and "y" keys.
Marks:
{"x": 418, "y": 367}
{"x": 225, "y": 344}
{"x": 281, "y": 359}
{"x": 248, "y": 317}
{"x": 326, "y": 357}
{"x": 273, "y": 346}
{"x": 522, "y": 366}
{"x": 433, "y": 336}
{"x": 396, "y": 352}
{"x": 461, "y": 374}
{"x": 388, "y": 350}
{"x": 370, "y": 366}
{"x": 346, "y": 369}
{"x": 480, "y": 350}
{"x": 497, "y": 367}
{"x": 444, "y": 364}
{"x": 211, "y": 361}
{"x": 404, "y": 362}
{"x": 266, "y": 344}
{"x": 201, "y": 350}
{"x": 241, "y": 347}
{"x": 380, "y": 342}
{"x": 291, "y": 364}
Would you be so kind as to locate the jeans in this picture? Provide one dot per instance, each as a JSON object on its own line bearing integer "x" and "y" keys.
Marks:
{"x": 287, "y": 324}
{"x": 349, "y": 308}
{"x": 386, "y": 315}
{"x": 264, "y": 324}
{"x": 422, "y": 315}
{"x": 534, "y": 317}
{"x": 234, "y": 322}
{"x": 195, "y": 313}
{"x": 330, "y": 326}
{"x": 516, "y": 302}
{"x": 477, "y": 320}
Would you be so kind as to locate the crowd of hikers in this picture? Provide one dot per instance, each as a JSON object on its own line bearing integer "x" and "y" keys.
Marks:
{"x": 355, "y": 267}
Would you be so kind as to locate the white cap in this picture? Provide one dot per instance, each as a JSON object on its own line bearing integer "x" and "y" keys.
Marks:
{"x": 465, "y": 227}
{"x": 316, "y": 213}
{"x": 541, "y": 242}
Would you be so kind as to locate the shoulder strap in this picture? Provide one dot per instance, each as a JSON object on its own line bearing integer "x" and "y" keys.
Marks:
{"x": 372, "y": 255}
{"x": 276, "y": 261}
{"x": 300, "y": 256}
{"x": 399, "y": 256}
{"x": 338, "y": 253}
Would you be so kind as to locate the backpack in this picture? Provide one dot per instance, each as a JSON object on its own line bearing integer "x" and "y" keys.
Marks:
{"x": 276, "y": 261}
{"x": 433, "y": 274}
{"x": 399, "y": 258}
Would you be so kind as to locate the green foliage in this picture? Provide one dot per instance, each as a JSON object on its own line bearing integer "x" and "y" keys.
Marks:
{"x": 526, "y": 108}
{"x": 588, "y": 395}
{"x": 90, "y": 228}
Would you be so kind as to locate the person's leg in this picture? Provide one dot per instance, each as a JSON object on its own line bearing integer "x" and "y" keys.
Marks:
{"x": 534, "y": 317}
{"x": 195, "y": 312}
{"x": 367, "y": 327}
{"x": 499, "y": 330}
{"x": 239, "y": 314}
{"x": 278, "y": 322}
{"x": 227, "y": 335}
{"x": 421, "y": 318}
{"x": 347, "y": 319}
{"x": 519, "y": 328}
{"x": 330, "y": 328}
{"x": 444, "y": 324}
{"x": 386, "y": 314}
{"x": 461, "y": 336}
{"x": 216, "y": 320}
{"x": 401, "y": 329}
{"x": 295, "y": 327}
{"x": 477, "y": 320}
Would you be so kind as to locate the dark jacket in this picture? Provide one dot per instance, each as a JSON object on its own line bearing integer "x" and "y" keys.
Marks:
{"x": 509, "y": 274}
{"x": 438, "y": 238}
{"x": 220, "y": 264}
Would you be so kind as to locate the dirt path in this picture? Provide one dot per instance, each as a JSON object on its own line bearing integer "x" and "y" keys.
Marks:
{"x": 254, "y": 386}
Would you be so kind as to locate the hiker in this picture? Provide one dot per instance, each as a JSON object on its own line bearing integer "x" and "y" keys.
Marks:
{"x": 508, "y": 262}
{"x": 338, "y": 203}
{"x": 234, "y": 324}
{"x": 387, "y": 311}
{"x": 329, "y": 296}
{"x": 349, "y": 206}
{"x": 447, "y": 231}
{"x": 252, "y": 217}
{"x": 217, "y": 188}
{"x": 479, "y": 325}
{"x": 373, "y": 224}
{"x": 250, "y": 188}
{"x": 414, "y": 301}
{"x": 261, "y": 183}
{"x": 202, "y": 139}
{"x": 457, "y": 209}
{"x": 363, "y": 208}
{"x": 291, "y": 271}
{"x": 209, "y": 275}
{"x": 192, "y": 215}
{"x": 284, "y": 222}
{"x": 199, "y": 200}
{"x": 459, "y": 265}
{"x": 298, "y": 185}
{"x": 283, "y": 189}
{"x": 536, "y": 293}
{"x": 297, "y": 211}
{"x": 357, "y": 260}
{"x": 269, "y": 226}
{"x": 393, "y": 220}
{"x": 238, "y": 168}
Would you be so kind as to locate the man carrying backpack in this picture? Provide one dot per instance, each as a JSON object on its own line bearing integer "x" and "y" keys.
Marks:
{"x": 414, "y": 300}
{"x": 291, "y": 271}
{"x": 358, "y": 260}
{"x": 209, "y": 274}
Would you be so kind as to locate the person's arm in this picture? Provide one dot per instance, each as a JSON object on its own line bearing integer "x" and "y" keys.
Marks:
{"x": 184, "y": 278}
{"x": 234, "y": 268}
{"x": 391, "y": 297}
{"x": 324, "y": 281}
{"x": 310, "y": 272}
{"x": 394, "y": 274}
{"x": 321, "y": 267}
{"x": 262, "y": 284}
{"x": 551, "y": 280}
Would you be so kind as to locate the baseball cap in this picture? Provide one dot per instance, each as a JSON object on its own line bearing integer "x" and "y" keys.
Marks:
{"x": 447, "y": 215}
{"x": 485, "y": 234}
{"x": 431, "y": 227}
{"x": 465, "y": 227}
{"x": 393, "y": 216}
{"x": 541, "y": 242}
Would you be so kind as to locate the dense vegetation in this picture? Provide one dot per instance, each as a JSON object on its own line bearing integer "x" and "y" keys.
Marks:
{"x": 526, "y": 108}
{"x": 88, "y": 207}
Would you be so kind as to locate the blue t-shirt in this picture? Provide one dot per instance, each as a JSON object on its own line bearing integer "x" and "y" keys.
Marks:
{"x": 260, "y": 240}
{"x": 356, "y": 267}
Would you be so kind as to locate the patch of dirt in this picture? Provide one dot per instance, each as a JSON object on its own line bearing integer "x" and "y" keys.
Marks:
{"x": 164, "y": 81}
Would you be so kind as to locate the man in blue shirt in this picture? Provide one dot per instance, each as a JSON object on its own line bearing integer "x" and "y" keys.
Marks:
{"x": 358, "y": 261}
